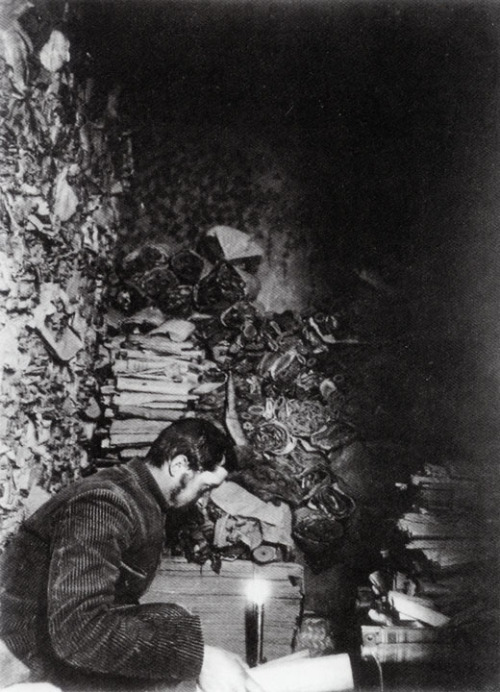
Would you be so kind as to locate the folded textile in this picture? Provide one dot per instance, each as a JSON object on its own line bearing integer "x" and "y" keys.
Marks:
{"x": 275, "y": 520}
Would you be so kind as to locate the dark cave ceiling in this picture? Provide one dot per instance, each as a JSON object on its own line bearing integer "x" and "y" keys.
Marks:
{"x": 403, "y": 94}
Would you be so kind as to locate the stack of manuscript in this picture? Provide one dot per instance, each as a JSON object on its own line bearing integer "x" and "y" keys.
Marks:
{"x": 220, "y": 600}
{"x": 156, "y": 380}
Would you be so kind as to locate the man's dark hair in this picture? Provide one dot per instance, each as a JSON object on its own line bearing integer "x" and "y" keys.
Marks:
{"x": 203, "y": 444}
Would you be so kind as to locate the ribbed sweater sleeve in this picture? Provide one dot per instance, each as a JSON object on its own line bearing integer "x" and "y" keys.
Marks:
{"x": 88, "y": 629}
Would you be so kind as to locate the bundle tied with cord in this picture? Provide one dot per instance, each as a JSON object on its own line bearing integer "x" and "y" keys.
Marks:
{"x": 320, "y": 522}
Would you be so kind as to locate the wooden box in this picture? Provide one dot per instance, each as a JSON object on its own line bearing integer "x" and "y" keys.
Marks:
{"x": 220, "y": 599}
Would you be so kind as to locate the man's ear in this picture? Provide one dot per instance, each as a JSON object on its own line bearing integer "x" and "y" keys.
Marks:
{"x": 178, "y": 465}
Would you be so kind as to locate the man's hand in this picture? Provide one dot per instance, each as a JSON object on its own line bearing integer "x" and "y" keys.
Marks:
{"x": 223, "y": 671}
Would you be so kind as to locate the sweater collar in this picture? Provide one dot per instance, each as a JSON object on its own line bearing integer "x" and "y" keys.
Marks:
{"x": 147, "y": 482}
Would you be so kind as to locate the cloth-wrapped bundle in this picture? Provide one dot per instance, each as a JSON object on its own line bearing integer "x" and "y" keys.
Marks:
{"x": 162, "y": 287}
{"x": 143, "y": 260}
{"x": 220, "y": 289}
{"x": 273, "y": 437}
{"x": 319, "y": 536}
{"x": 187, "y": 267}
{"x": 267, "y": 478}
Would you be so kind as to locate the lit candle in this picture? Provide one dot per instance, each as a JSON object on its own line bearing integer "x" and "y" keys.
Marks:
{"x": 254, "y": 621}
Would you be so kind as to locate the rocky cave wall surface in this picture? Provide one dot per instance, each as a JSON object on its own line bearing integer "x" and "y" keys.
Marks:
{"x": 64, "y": 171}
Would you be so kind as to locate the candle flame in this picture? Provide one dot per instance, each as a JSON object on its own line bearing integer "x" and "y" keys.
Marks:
{"x": 257, "y": 590}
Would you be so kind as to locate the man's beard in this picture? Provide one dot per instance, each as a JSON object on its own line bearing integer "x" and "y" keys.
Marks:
{"x": 174, "y": 494}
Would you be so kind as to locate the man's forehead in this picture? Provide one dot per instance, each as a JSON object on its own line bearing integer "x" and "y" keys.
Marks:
{"x": 216, "y": 474}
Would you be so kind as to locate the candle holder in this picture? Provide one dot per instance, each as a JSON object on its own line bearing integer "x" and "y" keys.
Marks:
{"x": 254, "y": 622}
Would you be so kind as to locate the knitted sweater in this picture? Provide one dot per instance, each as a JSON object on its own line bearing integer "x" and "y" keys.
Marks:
{"x": 71, "y": 579}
